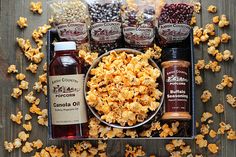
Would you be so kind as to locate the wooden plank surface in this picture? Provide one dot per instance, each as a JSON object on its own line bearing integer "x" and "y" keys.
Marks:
{"x": 10, "y": 10}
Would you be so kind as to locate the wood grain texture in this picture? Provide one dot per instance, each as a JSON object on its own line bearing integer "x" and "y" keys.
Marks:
{"x": 10, "y": 10}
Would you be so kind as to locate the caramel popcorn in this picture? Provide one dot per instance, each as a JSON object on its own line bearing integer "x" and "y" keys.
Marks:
{"x": 231, "y": 135}
{"x": 231, "y": 100}
{"x": 23, "y": 136}
{"x": 219, "y": 57}
{"x": 227, "y": 55}
{"x": 198, "y": 80}
{"x": 197, "y": 31}
{"x": 131, "y": 91}
{"x": 204, "y": 37}
{"x": 196, "y": 40}
{"x": 213, "y": 66}
{"x": 30, "y": 97}
{"x": 204, "y": 129}
{"x": 27, "y": 127}
{"x": 37, "y": 144}
{"x": 33, "y": 68}
{"x": 193, "y": 20}
{"x": 197, "y": 7}
{"x": 45, "y": 90}
{"x": 43, "y": 78}
{"x": 227, "y": 81}
{"x": 8, "y": 146}
{"x": 20, "y": 76}
{"x": 24, "y": 85}
{"x": 223, "y": 21}
{"x": 43, "y": 118}
{"x": 12, "y": 69}
{"x": 209, "y": 29}
{"x": 200, "y": 141}
{"x": 131, "y": 133}
{"x": 225, "y": 38}
{"x": 35, "y": 109}
{"x": 223, "y": 127}
{"x": 22, "y": 22}
{"x": 45, "y": 67}
{"x": 16, "y": 118}
{"x": 215, "y": 42}
{"x": 212, "y": 50}
{"x": 54, "y": 151}
{"x": 17, "y": 143}
{"x": 134, "y": 151}
{"x": 166, "y": 131}
{"x": 216, "y": 19}
{"x": 213, "y": 148}
{"x": 16, "y": 93}
{"x": 38, "y": 86}
{"x": 89, "y": 57}
{"x": 170, "y": 147}
{"x": 212, "y": 134}
{"x": 212, "y": 9}
{"x": 27, "y": 148}
{"x": 36, "y": 7}
{"x": 37, "y": 58}
{"x": 206, "y": 116}
{"x": 206, "y": 96}
{"x": 185, "y": 150}
{"x": 25, "y": 45}
{"x": 219, "y": 108}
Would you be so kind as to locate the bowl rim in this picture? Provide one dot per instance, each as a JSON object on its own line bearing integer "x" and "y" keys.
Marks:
{"x": 95, "y": 63}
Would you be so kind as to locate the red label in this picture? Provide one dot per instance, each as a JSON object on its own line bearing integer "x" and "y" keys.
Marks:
{"x": 177, "y": 89}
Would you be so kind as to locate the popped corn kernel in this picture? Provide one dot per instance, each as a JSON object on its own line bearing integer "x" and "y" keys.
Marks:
{"x": 193, "y": 20}
{"x": 27, "y": 127}
{"x": 170, "y": 147}
{"x": 215, "y": 42}
{"x": 204, "y": 129}
{"x": 197, "y": 31}
{"x": 200, "y": 64}
{"x": 219, "y": 57}
{"x": 35, "y": 109}
{"x": 37, "y": 144}
{"x": 17, "y": 143}
{"x": 33, "y": 68}
{"x": 30, "y": 97}
{"x": 231, "y": 134}
{"x": 27, "y": 117}
{"x": 223, "y": 21}
{"x": 206, "y": 96}
{"x": 200, "y": 141}
{"x": 212, "y": 134}
{"x": 212, "y": 9}
{"x": 212, "y": 50}
{"x": 134, "y": 151}
{"x": 213, "y": 66}
{"x": 24, "y": 85}
{"x": 178, "y": 143}
{"x": 20, "y": 76}
{"x": 131, "y": 133}
{"x": 12, "y": 69}
{"x": 197, "y": 7}
{"x": 38, "y": 86}
{"x": 36, "y": 7}
{"x": 23, "y": 136}
{"x": 231, "y": 100}
{"x": 45, "y": 91}
{"x": 209, "y": 29}
{"x": 25, "y": 45}
{"x": 223, "y": 127}
{"x": 227, "y": 81}
{"x": 16, "y": 93}
{"x": 216, "y": 19}
{"x": 43, "y": 78}
{"x": 22, "y": 22}
{"x": 206, "y": 116}
{"x": 37, "y": 58}
{"x": 16, "y": 118}
{"x": 196, "y": 40}
{"x": 227, "y": 55}
{"x": 213, "y": 148}
{"x": 8, "y": 146}
{"x": 204, "y": 38}
{"x": 54, "y": 151}
{"x": 219, "y": 108}
{"x": 27, "y": 148}
{"x": 225, "y": 38}
{"x": 43, "y": 118}
{"x": 45, "y": 67}
{"x": 198, "y": 80}
{"x": 185, "y": 150}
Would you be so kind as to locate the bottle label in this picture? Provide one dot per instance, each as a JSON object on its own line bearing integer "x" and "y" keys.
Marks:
{"x": 67, "y": 99}
{"x": 139, "y": 36}
{"x": 177, "y": 89}
{"x": 107, "y": 32}
{"x": 173, "y": 33}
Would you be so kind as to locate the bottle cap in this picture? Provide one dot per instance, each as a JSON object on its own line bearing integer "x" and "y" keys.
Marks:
{"x": 63, "y": 46}
{"x": 176, "y": 54}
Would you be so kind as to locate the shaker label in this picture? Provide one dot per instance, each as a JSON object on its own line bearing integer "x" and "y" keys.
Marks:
{"x": 177, "y": 89}
{"x": 67, "y": 100}
{"x": 106, "y": 32}
{"x": 173, "y": 33}
{"x": 139, "y": 36}
{"x": 73, "y": 31}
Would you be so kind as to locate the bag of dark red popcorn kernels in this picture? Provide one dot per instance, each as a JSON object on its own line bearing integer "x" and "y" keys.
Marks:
{"x": 139, "y": 23}
{"x": 105, "y": 30}
{"x": 174, "y": 21}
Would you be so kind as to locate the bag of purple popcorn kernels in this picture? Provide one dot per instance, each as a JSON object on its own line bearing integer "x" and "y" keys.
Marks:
{"x": 174, "y": 21}
{"x": 105, "y": 18}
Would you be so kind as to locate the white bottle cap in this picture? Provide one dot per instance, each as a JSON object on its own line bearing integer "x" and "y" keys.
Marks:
{"x": 63, "y": 46}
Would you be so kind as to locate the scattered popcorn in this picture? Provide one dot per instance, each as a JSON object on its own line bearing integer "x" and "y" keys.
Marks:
{"x": 198, "y": 80}
{"x": 216, "y": 19}
{"x": 204, "y": 129}
{"x": 30, "y": 97}
{"x": 17, "y": 143}
{"x": 231, "y": 135}
{"x": 197, "y": 7}
{"x": 154, "y": 52}
{"x": 134, "y": 151}
{"x": 215, "y": 42}
{"x": 231, "y": 100}
{"x": 35, "y": 109}
{"x": 212, "y": 9}
{"x": 27, "y": 148}
{"x": 25, "y": 45}
{"x": 37, "y": 58}
{"x": 12, "y": 69}
{"x": 8, "y": 146}
{"x": 23, "y": 136}
{"x": 200, "y": 141}
{"x": 24, "y": 85}
{"x": 213, "y": 66}
{"x": 196, "y": 40}
{"x": 16, "y": 93}
{"x": 33, "y": 68}
{"x": 22, "y": 22}
{"x": 38, "y": 144}
{"x": 206, "y": 116}
{"x": 209, "y": 29}
{"x": 227, "y": 55}
{"x": 170, "y": 147}
{"x": 212, "y": 134}
{"x": 43, "y": 78}
{"x": 223, "y": 21}
{"x": 219, "y": 57}
{"x": 223, "y": 127}
{"x": 43, "y": 118}
{"x": 213, "y": 148}
{"x": 227, "y": 81}
{"x": 206, "y": 96}
{"x": 20, "y": 76}
{"x": 219, "y": 108}
{"x": 54, "y": 151}
{"x": 27, "y": 127}
{"x": 204, "y": 38}
{"x": 16, "y": 118}
{"x": 36, "y": 7}
{"x": 225, "y": 38}
{"x": 38, "y": 86}
{"x": 212, "y": 50}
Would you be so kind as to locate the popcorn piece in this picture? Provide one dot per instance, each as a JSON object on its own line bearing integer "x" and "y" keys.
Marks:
{"x": 12, "y": 69}
{"x": 227, "y": 55}
{"x": 43, "y": 119}
{"x": 35, "y": 109}
{"x": 219, "y": 108}
{"x": 206, "y": 96}
{"x": 196, "y": 40}
{"x": 20, "y": 76}
{"x": 16, "y": 118}
{"x": 45, "y": 90}
{"x": 27, "y": 117}
{"x": 54, "y": 151}
{"x": 25, "y": 45}
{"x": 213, "y": 66}
{"x": 166, "y": 131}
{"x": 30, "y": 97}
{"x": 212, "y": 9}
{"x": 170, "y": 147}
{"x": 134, "y": 151}
{"x": 193, "y": 20}
{"x": 231, "y": 135}
{"x": 38, "y": 86}
{"x": 8, "y": 146}
{"x": 209, "y": 29}
{"x": 204, "y": 129}
{"x": 131, "y": 133}
{"x": 225, "y": 38}
{"x": 45, "y": 67}
{"x": 23, "y": 136}
{"x": 33, "y": 68}
{"x": 212, "y": 134}
{"x": 213, "y": 148}
{"x": 27, "y": 127}
{"x": 185, "y": 150}
{"x": 198, "y": 80}
{"x": 204, "y": 38}
{"x": 24, "y": 85}
{"x": 200, "y": 141}
{"x": 216, "y": 19}
{"x": 27, "y": 148}
{"x": 88, "y": 56}
{"x": 36, "y": 7}
{"x": 215, "y": 42}
{"x": 43, "y": 78}
{"x": 37, "y": 144}
{"x": 223, "y": 21}
{"x": 22, "y": 22}
{"x": 231, "y": 100}
{"x": 227, "y": 81}
{"x": 37, "y": 58}
{"x": 219, "y": 57}
{"x": 206, "y": 116}
{"x": 223, "y": 127}
{"x": 197, "y": 7}
{"x": 198, "y": 32}
{"x": 212, "y": 50}
{"x": 17, "y": 143}
{"x": 178, "y": 143}
{"x": 16, "y": 93}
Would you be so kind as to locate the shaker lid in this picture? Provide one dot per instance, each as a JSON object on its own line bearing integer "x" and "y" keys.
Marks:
{"x": 63, "y": 46}
{"x": 176, "y": 54}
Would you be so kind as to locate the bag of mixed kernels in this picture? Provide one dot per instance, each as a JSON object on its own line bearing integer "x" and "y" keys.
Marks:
{"x": 71, "y": 19}
{"x": 174, "y": 20}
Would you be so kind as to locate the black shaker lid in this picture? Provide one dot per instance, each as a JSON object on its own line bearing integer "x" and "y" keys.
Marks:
{"x": 176, "y": 54}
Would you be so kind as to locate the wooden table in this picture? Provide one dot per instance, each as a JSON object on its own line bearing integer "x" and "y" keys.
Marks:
{"x": 10, "y": 53}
